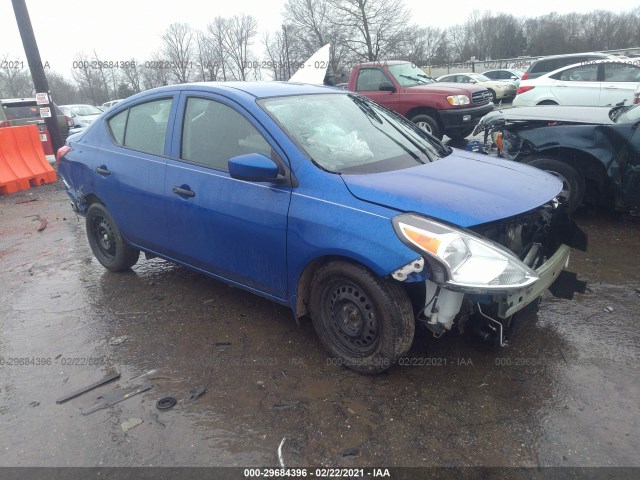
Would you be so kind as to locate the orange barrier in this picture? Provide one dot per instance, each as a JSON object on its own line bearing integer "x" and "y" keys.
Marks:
{"x": 22, "y": 160}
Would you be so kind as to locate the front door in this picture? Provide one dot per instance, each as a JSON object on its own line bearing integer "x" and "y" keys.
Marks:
{"x": 230, "y": 228}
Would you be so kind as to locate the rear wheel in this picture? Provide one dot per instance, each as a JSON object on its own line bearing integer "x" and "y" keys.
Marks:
{"x": 428, "y": 124}
{"x": 106, "y": 242}
{"x": 364, "y": 321}
{"x": 573, "y": 184}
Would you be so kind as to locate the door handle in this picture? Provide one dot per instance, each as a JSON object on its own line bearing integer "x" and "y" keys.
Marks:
{"x": 183, "y": 192}
{"x": 611, "y": 87}
{"x": 102, "y": 171}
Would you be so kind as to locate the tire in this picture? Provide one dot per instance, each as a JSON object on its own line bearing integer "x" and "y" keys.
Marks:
{"x": 493, "y": 95}
{"x": 548, "y": 102}
{"x": 573, "y": 184}
{"x": 364, "y": 321}
{"x": 428, "y": 124}
{"x": 106, "y": 241}
{"x": 460, "y": 134}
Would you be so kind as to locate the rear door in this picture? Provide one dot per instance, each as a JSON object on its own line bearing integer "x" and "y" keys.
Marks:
{"x": 578, "y": 85}
{"x": 231, "y": 228}
{"x": 129, "y": 173}
{"x": 619, "y": 83}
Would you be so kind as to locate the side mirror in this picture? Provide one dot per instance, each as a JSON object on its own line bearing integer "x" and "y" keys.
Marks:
{"x": 386, "y": 87}
{"x": 513, "y": 77}
{"x": 473, "y": 81}
{"x": 253, "y": 167}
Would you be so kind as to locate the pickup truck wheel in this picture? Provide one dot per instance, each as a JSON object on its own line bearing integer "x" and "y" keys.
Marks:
{"x": 428, "y": 124}
{"x": 573, "y": 184}
{"x": 106, "y": 242}
{"x": 364, "y": 321}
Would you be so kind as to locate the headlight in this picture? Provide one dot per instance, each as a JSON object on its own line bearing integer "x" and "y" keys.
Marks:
{"x": 458, "y": 100}
{"x": 460, "y": 259}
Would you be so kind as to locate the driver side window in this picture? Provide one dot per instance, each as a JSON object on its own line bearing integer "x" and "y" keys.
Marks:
{"x": 213, "y": 133}
{"x": 369, "y": 79}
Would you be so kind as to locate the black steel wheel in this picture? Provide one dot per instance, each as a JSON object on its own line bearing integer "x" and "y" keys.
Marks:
{"x": 106, "y": 242}
{"x": 365, "y": 321}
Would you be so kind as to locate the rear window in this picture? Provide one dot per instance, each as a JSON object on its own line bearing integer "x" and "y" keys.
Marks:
{"x": 23, "y": 110}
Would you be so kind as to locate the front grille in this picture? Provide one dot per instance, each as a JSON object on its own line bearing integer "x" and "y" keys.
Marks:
{"x": 481, "y": 98}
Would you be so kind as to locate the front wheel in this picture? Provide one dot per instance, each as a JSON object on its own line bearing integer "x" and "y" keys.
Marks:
{"x": 428, "y": 124}
{"x": 573, "y": 184}
{"x": 364, "y": 321}
{"x": 106, "y": 241}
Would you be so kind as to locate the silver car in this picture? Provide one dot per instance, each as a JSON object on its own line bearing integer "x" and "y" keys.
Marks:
{"x": 499, "y": 89}
{"x": 81, "y": 115}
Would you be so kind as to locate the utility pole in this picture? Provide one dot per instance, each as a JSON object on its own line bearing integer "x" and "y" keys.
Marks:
{"x": 37, "y": 70}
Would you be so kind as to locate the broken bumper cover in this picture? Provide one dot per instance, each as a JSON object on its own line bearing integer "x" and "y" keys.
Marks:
{"x": 549, "y": 272}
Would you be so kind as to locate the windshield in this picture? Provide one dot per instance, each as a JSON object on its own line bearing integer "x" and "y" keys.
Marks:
{"x": 628, "y": 114}
{"x": 408, "y": 75}
{"x": 479, "y": 77}
{"x": 351, "y": 134}
{"x": 83, "y": 110}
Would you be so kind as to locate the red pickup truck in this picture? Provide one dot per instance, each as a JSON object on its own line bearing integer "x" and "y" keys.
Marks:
{"x": 439, "y": 108}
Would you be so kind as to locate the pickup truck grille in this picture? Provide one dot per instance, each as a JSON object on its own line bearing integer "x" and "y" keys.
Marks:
{"x": 481, "y": 98}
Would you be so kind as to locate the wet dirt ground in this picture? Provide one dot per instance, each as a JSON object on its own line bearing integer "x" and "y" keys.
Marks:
{"x": 566, "y": 392}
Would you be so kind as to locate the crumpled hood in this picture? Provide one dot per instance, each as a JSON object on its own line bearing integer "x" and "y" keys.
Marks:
{"x": 464, "y": 188}
{"x": 551, "y": 113}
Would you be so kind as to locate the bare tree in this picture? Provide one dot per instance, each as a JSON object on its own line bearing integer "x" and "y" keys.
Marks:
{"x": 310, "y": 25}
{"x": 132, "y": 74}
{"x": 91, "y": 83}
{"x": 240, "y": 32}
{"x": 155, "y": 72}
{"x": 62, "y": 90}
{"x": 217, "y": 34}
{"x": 178, "y": 50}
{"x": 15, "y": 79}
{"x": 374, "y": 26}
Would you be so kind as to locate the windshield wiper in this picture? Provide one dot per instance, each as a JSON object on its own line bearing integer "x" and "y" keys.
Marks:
{"x": 415, "y": 79}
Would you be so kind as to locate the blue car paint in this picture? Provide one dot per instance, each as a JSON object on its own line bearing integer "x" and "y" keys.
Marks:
{"x": 482, "y": 191}
{"x": 271, "y": 233}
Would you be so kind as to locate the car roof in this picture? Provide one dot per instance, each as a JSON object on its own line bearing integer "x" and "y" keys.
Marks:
{"x": 257, "y": 89}
{"x": 17, "y": 100}
{"x": 569, "y": 55}
{"x": 579, "y": 64}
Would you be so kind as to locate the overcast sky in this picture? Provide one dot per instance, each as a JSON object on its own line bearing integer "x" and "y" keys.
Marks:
{"x": 122, "y": 29}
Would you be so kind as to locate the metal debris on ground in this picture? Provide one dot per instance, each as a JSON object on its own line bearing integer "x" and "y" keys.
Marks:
{"x": 129, "y": 424}
{"x": 280, "y": 459}
{"x": 117, "y": 397}
{"x": 107, "y": 379}
{"x": 150, "y": 372}
{"x": 351, "y": 452}
{"x": 608, "y": 309}
{"x": 117, "y": 340}
{"x": 193, "y": 395}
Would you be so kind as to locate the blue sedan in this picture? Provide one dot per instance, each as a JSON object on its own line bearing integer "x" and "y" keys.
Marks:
{"x": 324, "y": 201}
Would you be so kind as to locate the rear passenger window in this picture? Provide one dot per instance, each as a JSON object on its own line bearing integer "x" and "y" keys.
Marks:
{"x": 117, "y": 124}
{"x": 620, "y": 72}
{"x": 583, "y": 73}
{"x": 142, "y": 127}
{"x": 147, "y": 126}
{"x": 213, "y": 133}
